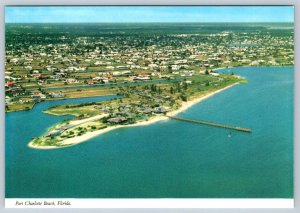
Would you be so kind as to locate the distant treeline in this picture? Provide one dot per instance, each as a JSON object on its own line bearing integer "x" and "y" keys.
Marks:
{"x": 24, "y": 35}
{"x": 102, "y": 29}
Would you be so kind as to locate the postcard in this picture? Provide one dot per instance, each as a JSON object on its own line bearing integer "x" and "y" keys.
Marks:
{"x": 149, "y": 106}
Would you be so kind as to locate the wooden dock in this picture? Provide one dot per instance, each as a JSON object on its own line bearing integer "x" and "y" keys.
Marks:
{"x": 237, "y": 128}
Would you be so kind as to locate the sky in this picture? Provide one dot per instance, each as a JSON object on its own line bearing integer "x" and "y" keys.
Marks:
{"x": 126, "y": 14}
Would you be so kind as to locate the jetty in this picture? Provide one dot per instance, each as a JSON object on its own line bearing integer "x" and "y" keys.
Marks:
{"x": 237, "y": 128}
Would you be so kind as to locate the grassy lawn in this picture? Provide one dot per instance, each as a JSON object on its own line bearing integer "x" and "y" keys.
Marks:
{"x": 79, "y": 93}
{"x": 30, "y": 85}
{"x": 64, "y": 110}
{"x": 19, "y": 107}
{"x": 85, "y": 75}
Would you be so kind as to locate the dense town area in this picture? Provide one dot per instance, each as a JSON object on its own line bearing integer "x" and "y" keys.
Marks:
{"x": 46, "y": 62}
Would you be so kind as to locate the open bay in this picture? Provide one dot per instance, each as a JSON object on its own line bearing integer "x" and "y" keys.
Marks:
{"x": 169, "y": 158}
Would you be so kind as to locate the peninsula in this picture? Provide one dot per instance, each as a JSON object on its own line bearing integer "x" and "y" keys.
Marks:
{"x": 138, "y": 105}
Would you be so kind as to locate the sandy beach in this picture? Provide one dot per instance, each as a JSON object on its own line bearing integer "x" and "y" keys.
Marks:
{"x": 186, "y": 105}
{"x": 79, "y": 139}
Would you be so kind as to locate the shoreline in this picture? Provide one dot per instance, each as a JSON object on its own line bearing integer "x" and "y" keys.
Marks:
{"x": 89, "y": 135}
{"x": 186, "y": 105}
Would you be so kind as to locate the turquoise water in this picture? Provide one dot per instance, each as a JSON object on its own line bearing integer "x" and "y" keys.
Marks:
{"x": 169, "y": 158}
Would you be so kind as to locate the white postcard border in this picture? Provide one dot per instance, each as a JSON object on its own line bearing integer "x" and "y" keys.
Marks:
{"x": 148, "y": 203}
{"x": 118, "y": 2}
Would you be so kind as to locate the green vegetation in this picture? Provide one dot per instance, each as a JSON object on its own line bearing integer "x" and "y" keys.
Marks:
{"x": 139, "y": 103}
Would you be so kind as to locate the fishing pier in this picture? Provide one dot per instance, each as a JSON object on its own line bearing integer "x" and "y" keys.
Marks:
{"x": 237, "y": 128}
